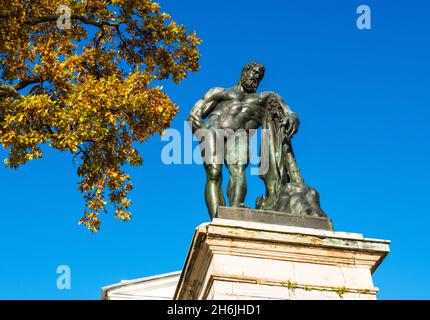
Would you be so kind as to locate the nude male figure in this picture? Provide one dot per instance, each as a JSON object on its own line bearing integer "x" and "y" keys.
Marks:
{"x": 239, "y": 108}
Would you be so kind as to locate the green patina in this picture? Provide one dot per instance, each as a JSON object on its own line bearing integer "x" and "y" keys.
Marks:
{"x": 290, "y": 285}
{"x": 341, "y": 291}
{"x": 364, "y": 291}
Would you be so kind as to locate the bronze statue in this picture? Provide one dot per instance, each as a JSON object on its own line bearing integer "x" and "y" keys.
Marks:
{"x": 242, "y": 109}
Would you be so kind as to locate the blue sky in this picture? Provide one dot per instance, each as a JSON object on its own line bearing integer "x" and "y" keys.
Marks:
{"x": 364, "y": 103}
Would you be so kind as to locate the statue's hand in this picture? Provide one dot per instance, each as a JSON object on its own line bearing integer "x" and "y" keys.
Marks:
{"x": 293, "y": 124}
{"x": 196, "y": 123}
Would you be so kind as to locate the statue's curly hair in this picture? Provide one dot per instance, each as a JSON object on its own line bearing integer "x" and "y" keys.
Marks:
{"x": 253, "y": 65}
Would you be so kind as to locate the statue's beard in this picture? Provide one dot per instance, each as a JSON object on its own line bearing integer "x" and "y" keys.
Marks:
{"x": 249, "y": 84}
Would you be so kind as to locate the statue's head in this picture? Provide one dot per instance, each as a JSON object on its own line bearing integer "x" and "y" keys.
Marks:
{"x": 251, "y": 76}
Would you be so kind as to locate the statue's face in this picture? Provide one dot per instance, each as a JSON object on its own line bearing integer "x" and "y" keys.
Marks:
{"x": 251, "y": 79}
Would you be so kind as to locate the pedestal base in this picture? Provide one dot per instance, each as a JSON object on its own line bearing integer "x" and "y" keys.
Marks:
{"x": 231, "y": 259}
{"x": 273, "y": 217}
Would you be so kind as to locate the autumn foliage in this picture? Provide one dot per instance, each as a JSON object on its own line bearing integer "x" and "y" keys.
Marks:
{"x": 88, "y": 89}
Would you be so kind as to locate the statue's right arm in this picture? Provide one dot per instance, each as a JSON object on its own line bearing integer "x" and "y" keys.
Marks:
{"x": 203, "y": 108}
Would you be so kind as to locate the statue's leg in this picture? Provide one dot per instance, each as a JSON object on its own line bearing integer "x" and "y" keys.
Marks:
{"x": 213, "y": 191}
{"x": 236, "y": 189}
{"x": 214, "y": 196}
{"x": 236, "y": 159}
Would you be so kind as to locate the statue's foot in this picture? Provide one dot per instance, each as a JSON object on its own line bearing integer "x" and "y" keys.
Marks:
{"x": 241, "y": 205}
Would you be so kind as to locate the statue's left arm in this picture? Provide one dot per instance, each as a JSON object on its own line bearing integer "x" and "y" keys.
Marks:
{"x": 292, "y": 117}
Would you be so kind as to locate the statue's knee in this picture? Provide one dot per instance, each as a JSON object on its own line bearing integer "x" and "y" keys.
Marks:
{"x": 213, "y": 173}
{"x": 238, "y": 172}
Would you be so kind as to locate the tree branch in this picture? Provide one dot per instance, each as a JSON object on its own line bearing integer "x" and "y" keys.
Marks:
{"x": 23, "y": 83}
{"x": 12, "y": 91}
{"x": 124, "y": 41}
{"x": 84, "y": 152}
{"x": 8, "y": 91}
{"x": 51, "y": 18}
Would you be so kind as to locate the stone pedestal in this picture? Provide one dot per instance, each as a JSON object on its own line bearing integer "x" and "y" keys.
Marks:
{"x": 231, "y": 259}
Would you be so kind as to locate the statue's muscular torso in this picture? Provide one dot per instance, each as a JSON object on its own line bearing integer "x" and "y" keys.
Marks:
{"x": 231, "y": 109}
{"x": 237, "y": 110}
